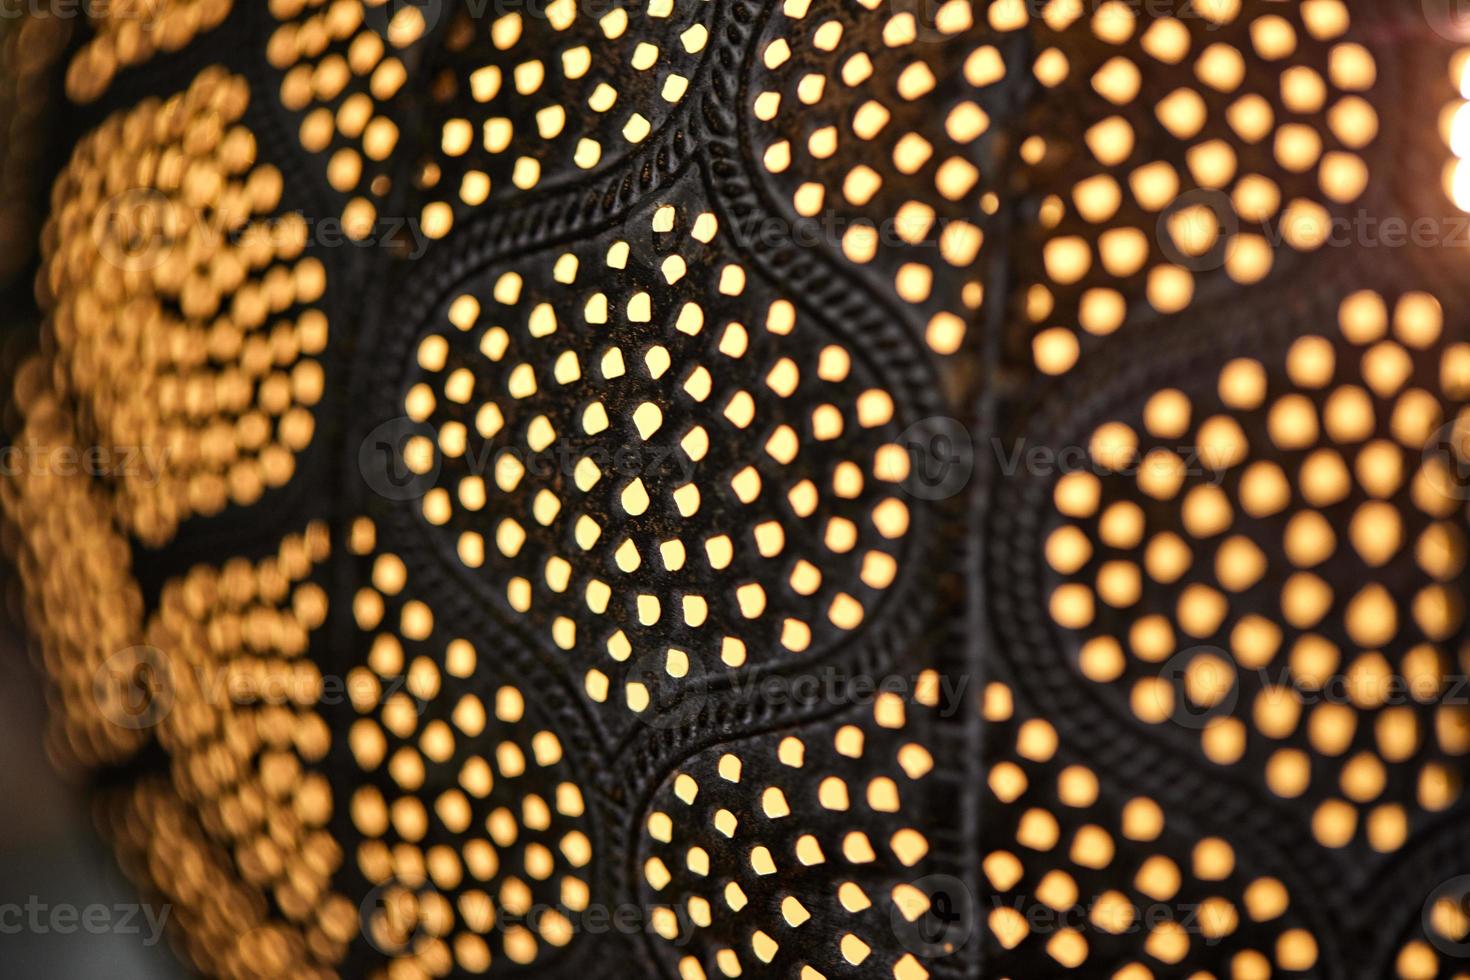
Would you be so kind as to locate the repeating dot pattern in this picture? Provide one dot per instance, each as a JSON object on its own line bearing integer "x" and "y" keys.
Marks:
{"x": 598, "y": 84}
{"x": 524, "y": 103}
{"x": 1233, "y": 563}
{"x": 235, "y": 835}
{"x": 760, "y": 523}
{"x": 1084, "y": 879}
{"x": 653, "y": 458}
{"x": 340, "y": 76}
{"x": 1212, "y": 140}
{"x": 869, "y": 126}
{"x": 82, "y": 602}
{"x": 177, "y": 345}
{"x": 182, "y": 311}
{"x": 793, "y": 854}
{"x": 127, "y": 33}
{"x": 247, "y": 747}
{"x": 218, "y": 919}
{"x": 473, "y": 824}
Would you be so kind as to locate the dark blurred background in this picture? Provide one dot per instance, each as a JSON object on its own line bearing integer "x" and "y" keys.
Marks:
{"x": 51, "y": 857}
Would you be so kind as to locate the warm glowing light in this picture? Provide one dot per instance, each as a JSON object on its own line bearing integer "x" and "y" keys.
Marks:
{"x": 1457, "y": 184}
{"x": 1460, "y": 185}
{"x": 1460, "y": 131}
